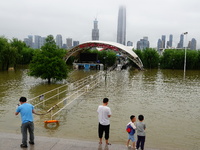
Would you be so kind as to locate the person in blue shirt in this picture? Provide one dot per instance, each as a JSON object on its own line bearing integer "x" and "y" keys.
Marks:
{"x": 26, "y": 111}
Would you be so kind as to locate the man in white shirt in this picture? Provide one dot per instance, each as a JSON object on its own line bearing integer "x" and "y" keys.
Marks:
{"x": 104, "y": 113}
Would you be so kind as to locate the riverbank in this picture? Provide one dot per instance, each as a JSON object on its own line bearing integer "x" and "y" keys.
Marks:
{"x": 11, "y": 141}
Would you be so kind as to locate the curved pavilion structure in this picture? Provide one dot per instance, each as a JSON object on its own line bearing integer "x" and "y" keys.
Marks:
{"x": 123, "y": 50}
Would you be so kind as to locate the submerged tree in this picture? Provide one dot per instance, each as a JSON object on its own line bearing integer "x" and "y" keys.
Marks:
{"x": 48, "y": 62}
{"x": 149, "y": 57}
{"x": 8, "y": 54}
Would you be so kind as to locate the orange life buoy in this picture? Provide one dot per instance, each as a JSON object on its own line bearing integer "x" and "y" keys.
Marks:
{"x": 50, "y": 121}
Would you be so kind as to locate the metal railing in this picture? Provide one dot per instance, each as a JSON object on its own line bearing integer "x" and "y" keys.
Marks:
{"x": 66, "y": 94}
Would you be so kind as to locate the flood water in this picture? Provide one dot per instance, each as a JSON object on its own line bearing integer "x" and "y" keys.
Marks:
{"x": 170, "y": 104}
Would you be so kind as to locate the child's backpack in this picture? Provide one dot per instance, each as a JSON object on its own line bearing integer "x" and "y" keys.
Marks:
{"x": 130, "y": 129}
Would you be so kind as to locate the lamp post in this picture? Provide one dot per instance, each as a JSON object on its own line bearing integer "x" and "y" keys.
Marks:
{"x": 185, "y": 52}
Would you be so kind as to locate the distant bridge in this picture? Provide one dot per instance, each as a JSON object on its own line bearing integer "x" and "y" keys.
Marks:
{"x": 124, "y": 50}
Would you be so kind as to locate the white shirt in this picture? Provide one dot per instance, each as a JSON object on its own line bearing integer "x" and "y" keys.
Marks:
{"x": 103, "y": 113}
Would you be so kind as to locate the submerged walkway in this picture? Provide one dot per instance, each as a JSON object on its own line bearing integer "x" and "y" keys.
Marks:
{"x": 9, "y": 141}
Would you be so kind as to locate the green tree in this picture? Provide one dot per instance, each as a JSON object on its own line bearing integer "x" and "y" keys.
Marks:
{"x": 48, "y": 62}
{"x": 7, "y": 54}
{"x": 3, "y": 47}
{"x": 139, "y": 53}
{"x": 26, "y": 55}
{"x": 197, "y": 65}
{"x": 19, "y": 46}
{"x": 174, "y": 59}
{"x": 192, "y": 59}
{"x": 150, "y": 58}
{"x": 108, "y": 58}
{"x": 111, "y": 58}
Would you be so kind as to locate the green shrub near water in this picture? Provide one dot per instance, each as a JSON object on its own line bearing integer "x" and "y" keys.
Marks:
{"x": 105, "y": 57}
{"x": 14, "y": 52}
{"x": 174, "y": 59}
{"x": 149, "y": 57}
{"x": 170, "y": 59}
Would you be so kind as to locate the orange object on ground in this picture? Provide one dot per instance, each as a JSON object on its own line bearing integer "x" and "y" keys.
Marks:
{"x": 50, "y": 121}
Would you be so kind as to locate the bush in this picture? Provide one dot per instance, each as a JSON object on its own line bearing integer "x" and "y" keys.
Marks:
{"x": 149, "y": 57}
{"x": 174, "y": 59}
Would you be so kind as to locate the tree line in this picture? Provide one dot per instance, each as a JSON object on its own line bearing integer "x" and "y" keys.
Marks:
{"x": 14, "y": 52}
{"x": 170, "y": 59}
{"x": 48, "y": 63}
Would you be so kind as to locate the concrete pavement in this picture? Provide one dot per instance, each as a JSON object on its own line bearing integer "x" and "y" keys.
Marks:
{"x": 9, "y": 141}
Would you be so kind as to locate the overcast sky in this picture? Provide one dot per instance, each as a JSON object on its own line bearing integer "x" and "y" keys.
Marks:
{"x": 74, "y": 18}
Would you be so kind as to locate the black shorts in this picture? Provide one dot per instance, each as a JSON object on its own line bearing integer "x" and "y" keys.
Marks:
{"x": 104, "y": 128}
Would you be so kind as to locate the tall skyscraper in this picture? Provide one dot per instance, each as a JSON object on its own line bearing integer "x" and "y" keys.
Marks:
{"x": 180, "y": 44}
{"x": 95, "y": 31}
{"x": 169, "y": 43}
{"x": 121, "y": 27}
{"x": 159, "y": 45}
{"x": 193, "y": 44}
{"x": 59, "y": 40}
{"x": 163, "y": 41}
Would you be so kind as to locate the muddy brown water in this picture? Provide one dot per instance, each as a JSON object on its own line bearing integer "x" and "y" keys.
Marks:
{"x": 170, "y": 104}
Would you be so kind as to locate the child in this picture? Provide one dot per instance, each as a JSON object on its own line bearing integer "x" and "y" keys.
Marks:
{"x": 131, "y": 134}
{"x": 140, "y": 132}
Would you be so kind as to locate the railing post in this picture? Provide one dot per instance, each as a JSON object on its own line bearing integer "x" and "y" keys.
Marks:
{"x": 58, "y": 93}
{"x": 51, "y": 114}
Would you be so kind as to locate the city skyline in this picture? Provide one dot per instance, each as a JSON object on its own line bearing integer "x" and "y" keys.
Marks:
{"x": 142, "y": 44}
{"x": 73, "y": 19}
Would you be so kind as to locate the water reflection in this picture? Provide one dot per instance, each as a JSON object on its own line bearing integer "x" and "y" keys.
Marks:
{"x": 104, "y": 148}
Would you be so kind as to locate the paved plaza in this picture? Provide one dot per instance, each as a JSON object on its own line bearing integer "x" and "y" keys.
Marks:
{"x": 10, "y": 141}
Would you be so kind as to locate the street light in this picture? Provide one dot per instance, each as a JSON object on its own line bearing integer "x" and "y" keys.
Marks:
{"x": 185, "y": 52}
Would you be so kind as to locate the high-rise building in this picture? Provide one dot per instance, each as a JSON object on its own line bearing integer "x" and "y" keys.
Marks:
{"x": 37, "y": 43}
{"x": 143, "y": 43}
{"x": 64, "y": 46}
{"x": 121, "y": 27}
{"x": 30, "y": 37}
{"x": 69, "y": 42}
{"x": 43, "y": 41}
{"x": 95, "y": 31}
{"x": 26, "y": 40}
{"x": 169, "y": 43}
{"x": 180, "y": 44}
{"x": 163, "y": 41}
{"x": 159, "y": 45}
{"x": 129, "y": 43}
{"x": 29, "y": 41}
{"x": 59, "y": 40}
{"x": 75, "y": 43}
{"x": 193, "y": 44}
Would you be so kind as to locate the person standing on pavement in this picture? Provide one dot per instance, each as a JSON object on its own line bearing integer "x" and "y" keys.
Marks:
{"x": 26, "y": 111}
{"x": 104, "y": 113}
{"x": 141, "y": 126}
